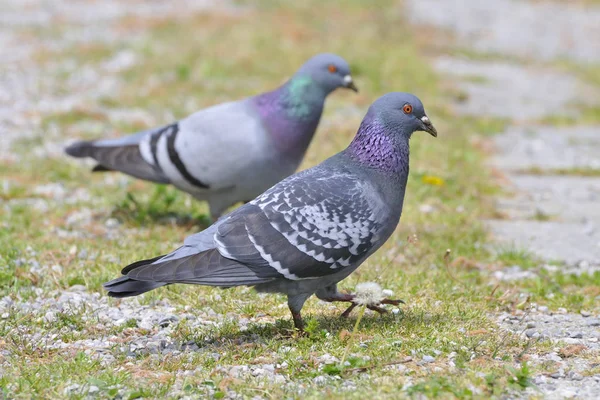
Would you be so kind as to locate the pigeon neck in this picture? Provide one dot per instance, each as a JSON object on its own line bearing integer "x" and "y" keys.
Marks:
{"x": 301, "y": 96}
{"x": 291, "y": 113}
{"x": 373, "y": 148}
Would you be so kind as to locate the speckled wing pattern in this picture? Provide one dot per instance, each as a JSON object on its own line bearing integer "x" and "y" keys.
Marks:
{"x": 308, "y": 226}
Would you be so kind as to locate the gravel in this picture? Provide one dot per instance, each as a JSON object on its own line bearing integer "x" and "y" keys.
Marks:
{"x": 509, "y": 90}
{"x": 564, "y": 198}
{"x": 554, "y": 217}
{"x": 29, "y": 89}
{"x": 154, "y": 325}
{"x": 576, "y": 341}
{"x": 569, "y": 229}
{"x": 546, "y": 147}
{"x": 576, "y": 244}
{"x": 545, "y": 30}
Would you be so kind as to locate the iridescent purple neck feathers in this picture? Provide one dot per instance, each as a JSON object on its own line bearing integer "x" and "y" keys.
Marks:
{"x": 374, "y": 148}
{"x": 291, "y": 114}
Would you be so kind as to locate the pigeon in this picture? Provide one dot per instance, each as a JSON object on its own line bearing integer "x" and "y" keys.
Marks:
{"x": 233, "y": 151}
{"x": 308, "y": 232}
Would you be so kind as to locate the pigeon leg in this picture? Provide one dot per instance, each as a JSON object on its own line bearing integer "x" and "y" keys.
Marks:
{"x": 298, "y": 322}
{"x": 295, "y": 304}
{"x": 216, "y": 207}
{"x": 346, "y": 313}
{"x": 395, "y": 302}
{"x": 331, "y": 294}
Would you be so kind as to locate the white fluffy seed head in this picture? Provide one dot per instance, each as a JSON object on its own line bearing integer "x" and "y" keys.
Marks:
{"x": 368, "y": 293}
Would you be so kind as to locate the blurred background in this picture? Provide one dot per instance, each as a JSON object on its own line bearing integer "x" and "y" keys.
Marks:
{"x": 511, "y": 185}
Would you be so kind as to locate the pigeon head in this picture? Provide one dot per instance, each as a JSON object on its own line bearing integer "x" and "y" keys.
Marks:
{"x": 329, "y": 71}
{"x": 382, "y": 139}
{"x": 402, "y": 113}
{"x": 291, "y": 113}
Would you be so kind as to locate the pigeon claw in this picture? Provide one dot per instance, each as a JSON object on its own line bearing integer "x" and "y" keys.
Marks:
{"x": 373, "y": 307}
{"x": 395, "y": 302}
{"x": 346, "y": 313}
{"x": 298, "y": 330}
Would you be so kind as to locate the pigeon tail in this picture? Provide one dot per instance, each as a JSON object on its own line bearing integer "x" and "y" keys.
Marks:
{"x": 101, "y": 168}
{"x": 124, "y": 286}
{"x": 127, "y": 287}
{"x": 84, "y": 149}
{"x": 207, "y": 268}
{"x": 80, "y": 149}
{"x": 113, "y": 156}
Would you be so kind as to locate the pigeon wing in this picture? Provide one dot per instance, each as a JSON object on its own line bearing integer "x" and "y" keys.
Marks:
{"x": 308, "y": 226}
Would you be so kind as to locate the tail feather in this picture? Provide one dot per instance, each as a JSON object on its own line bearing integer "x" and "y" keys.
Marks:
{"x": 80, "y": 149}
{"x": 125, "y": 158}
{"x": 127, "y": 287}
{"x": 101, "y": 168}
{"x": 205, "y": 268}
{"x": 138, "y": 264}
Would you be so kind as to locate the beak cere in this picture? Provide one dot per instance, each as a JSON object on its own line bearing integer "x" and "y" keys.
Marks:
{"x": 428, "y": 126}
{"x": 349, "y": 83}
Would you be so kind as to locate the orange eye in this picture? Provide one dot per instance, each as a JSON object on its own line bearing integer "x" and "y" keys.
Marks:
{"x": 407, "y": 109}
{"x": 332, "y": 68}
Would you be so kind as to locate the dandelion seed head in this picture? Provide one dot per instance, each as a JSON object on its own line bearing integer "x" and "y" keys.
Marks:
{"x": 368, "y": 293}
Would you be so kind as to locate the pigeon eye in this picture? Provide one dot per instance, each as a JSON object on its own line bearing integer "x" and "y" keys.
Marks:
{"x": 407, "y": 109}
{"x": 332, "y": 68}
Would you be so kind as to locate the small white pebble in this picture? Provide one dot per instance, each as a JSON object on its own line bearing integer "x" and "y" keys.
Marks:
{"x": 111, "y": 223}
{"x": 577, "y": 376}
{"x": 50, "y": 316}
{"x": 426, "y": 208}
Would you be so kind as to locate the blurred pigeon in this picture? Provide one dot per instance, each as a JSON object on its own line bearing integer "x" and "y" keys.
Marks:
{"x": 308, "y": 232}
{"x": 233, "y": 151}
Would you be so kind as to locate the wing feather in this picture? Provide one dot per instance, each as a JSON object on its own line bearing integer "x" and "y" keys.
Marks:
{"x": 302, "y": 228}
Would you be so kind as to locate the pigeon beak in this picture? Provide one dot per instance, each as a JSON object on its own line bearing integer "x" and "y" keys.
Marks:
{"x": 428, "y": 126}
{"x": 349, "y": 83}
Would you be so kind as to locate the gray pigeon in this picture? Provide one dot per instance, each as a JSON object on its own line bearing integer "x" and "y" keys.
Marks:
{"x": 234, "y": 151}
{"x": 309, "y": 231}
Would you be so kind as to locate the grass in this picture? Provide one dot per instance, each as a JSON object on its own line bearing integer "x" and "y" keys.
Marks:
{"x": 579, "y": 171}
{"x": 188, "y": 64}
{"x": 586, "y": 115}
